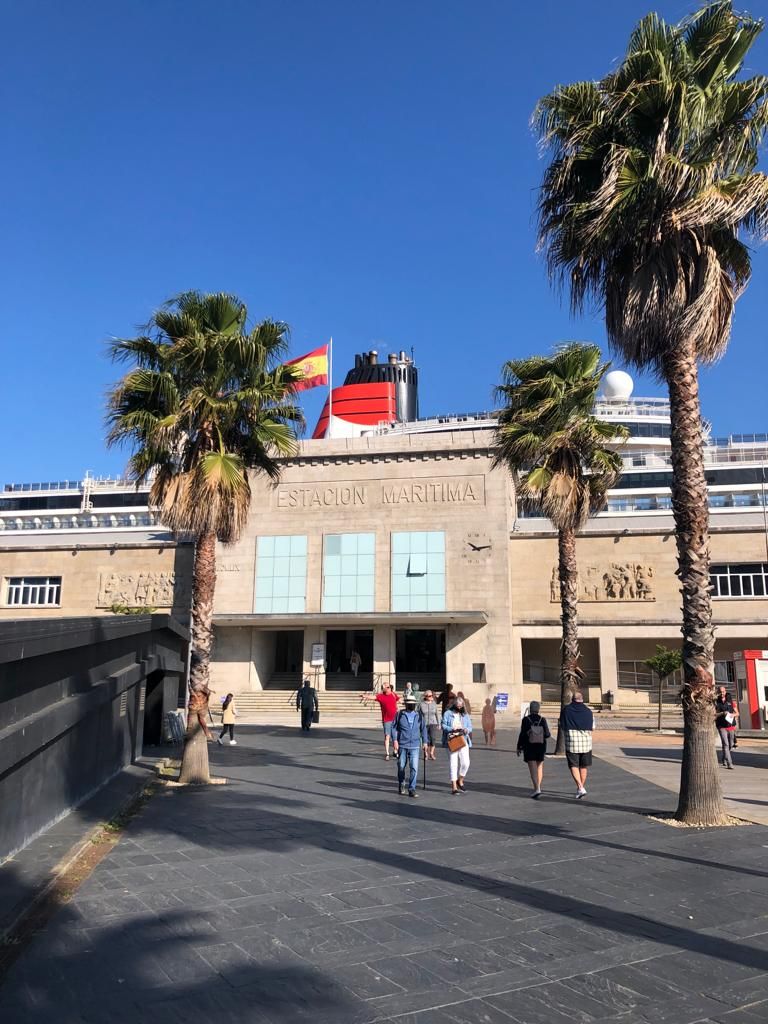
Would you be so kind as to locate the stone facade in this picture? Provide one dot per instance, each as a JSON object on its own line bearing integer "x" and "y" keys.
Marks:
{"x": 500, "y": 621}
{"x": 97, "y": 573}
{"x": 380, "y": 485}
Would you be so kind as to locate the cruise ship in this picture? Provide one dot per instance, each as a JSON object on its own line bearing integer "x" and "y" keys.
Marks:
{"x": 735, "y": 465}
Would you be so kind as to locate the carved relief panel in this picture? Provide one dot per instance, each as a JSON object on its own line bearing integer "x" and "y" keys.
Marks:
{"x": 619, "y": 581}
{"x": 136, "y": 589}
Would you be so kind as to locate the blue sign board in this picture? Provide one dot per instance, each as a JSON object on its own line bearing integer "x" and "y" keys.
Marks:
{"x": 502, "y": 701}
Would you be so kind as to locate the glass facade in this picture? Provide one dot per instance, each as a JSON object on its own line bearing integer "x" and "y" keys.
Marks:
{"x": 418, "y": 571}
{"x": 349, "y": 572}
{"x": 281, "y": 574}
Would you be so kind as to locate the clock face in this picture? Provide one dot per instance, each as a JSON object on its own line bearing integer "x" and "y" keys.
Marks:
{"x": 477, "y": 548}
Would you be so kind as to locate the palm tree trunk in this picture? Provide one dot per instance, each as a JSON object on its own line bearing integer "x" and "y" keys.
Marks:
{"x": 194, "y": 761}
{"x": 568, "y": 573}
{"x": 701, "y": 798}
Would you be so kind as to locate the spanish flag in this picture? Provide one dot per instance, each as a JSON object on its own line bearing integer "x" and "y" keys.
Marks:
{"x": 314, "y": 369}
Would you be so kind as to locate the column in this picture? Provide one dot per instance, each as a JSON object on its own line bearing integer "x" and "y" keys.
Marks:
{"x": 383, "y": 657}
{"x": 609, "y": 677}
{"x": 517, "y": 673}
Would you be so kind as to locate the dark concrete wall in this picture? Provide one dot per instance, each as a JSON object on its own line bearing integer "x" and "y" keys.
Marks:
{"x": 71, "y": 709}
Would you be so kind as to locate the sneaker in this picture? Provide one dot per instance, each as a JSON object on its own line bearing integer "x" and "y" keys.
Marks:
{"x": 220, "y": 741}
{"x": 536, "y": 794}
{"x": 233, "y": 743}
{"x": 412, "y": 793}
{"x": 401, "y": 790}
{"x": 580, "y": 793}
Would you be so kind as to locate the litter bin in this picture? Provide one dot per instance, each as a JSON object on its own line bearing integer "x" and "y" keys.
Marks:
{"x": 608, "y": 697}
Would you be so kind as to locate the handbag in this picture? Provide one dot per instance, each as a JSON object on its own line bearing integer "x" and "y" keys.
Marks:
{"x": 456, "y": 743}
{"x": 315, "y": 716}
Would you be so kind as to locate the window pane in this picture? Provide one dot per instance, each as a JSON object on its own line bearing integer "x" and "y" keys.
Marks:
{"x": 417, "y": 565}
{"x": 333, "y": 544}
{"x": 266, "y": 546}
{"x": 282, "y": 546}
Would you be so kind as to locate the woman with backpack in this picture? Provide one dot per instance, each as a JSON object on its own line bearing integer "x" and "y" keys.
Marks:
{"x": 532, "y": 744}
{"x": 228, "y": 715}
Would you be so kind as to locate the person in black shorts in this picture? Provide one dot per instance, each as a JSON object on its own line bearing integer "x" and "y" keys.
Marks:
{"x": 578, "y": 722}
{"x": 532, "y": 744}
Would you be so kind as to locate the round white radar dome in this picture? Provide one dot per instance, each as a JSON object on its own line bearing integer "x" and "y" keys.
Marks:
{"x": 618, "y": 385}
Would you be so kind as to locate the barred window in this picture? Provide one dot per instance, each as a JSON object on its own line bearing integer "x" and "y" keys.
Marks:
{"x": 739, "y": 579}
{"x": 33, "y": 590}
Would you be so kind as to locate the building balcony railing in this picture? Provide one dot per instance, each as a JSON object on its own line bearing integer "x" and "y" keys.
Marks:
{"x": 96, "y": 483}
{"x": 714, "y": 455}
{"x": 82, "y": 521}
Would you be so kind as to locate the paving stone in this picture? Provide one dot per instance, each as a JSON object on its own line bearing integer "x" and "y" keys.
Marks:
{"x": 319, "y": 902}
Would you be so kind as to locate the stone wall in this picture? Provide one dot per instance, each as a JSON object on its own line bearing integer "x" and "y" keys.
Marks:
{"x": 94, "y": 577}
{"x": 72, "y": 705}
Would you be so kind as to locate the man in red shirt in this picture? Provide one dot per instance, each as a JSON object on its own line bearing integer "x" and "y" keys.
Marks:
{"x": 387, "y": 701}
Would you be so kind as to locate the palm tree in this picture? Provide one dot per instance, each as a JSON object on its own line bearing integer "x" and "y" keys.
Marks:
{"x": 651, "y": 184}
{"x": 205, "y": 401}
{"x": 556, "y": 450}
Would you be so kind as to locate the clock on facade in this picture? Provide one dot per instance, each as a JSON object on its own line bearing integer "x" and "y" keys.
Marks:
{"x": 477, "y": 548}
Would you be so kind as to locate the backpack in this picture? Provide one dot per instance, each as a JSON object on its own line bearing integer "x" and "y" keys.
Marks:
{"x": 536, "y": 731}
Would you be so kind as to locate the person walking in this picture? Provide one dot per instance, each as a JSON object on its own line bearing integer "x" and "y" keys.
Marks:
{"x": 306, "y": 702}
{"x": 431, "y": 712}
{"x": 532, "y": 744}
{"x": 387, "y": 701}
{"x": 726, "y": 716}
{"x": 457, "y": 725}
{"x": 228, "y": 716}
{"x": 412, "y": 690}
{"x": 410, "y": 736}
{"x": 446, "y": 698}
{"x": 355, "y": 661}
{"x": 488, "y": 721}
{"x": 577, "y": 721}
{"x": 467, "y": 705}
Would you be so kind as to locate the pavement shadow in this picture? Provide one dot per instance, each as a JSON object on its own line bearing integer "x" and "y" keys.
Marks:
{"x": 171, "y": 968}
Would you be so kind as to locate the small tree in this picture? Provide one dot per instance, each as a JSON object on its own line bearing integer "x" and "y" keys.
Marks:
{"x": 664, "y": 662}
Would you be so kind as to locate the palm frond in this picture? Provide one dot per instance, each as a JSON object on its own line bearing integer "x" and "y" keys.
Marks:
{"x": 206, "y": 400}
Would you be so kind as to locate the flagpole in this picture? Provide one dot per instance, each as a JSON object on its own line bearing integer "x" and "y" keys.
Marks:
{"x": 330, "y": 387}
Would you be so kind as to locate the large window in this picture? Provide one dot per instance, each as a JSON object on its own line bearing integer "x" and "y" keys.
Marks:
{"x": 349, "y": 572}
{"x": 33, "y": 590}
{"x": 281, "y": 574}
{"x": 745, "y": 579}
{"x": 418, "y": 572}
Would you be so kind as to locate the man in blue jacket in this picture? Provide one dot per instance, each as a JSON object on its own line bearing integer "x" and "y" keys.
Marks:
{"x": 410, "y": 736}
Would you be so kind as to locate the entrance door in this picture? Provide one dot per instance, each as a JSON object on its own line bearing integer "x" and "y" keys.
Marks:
{"x": 289, "y": 658}
{"x": 340, "y": 645}
{"x": 420, "y": 657}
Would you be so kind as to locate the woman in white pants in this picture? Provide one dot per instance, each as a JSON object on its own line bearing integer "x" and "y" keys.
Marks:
{"x": 458, "y": 724}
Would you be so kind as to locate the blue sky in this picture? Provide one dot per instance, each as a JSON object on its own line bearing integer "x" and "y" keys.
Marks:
{"x": 359, "y": 169}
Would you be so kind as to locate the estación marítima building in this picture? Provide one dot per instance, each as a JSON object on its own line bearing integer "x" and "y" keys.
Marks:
{"x": 394, "y": 538}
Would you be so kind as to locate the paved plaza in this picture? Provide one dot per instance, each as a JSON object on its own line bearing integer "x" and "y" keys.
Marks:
{"x": 306, "y": 889}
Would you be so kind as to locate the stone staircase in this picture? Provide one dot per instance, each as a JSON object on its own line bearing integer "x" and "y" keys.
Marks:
{"x": 272, "y": 702}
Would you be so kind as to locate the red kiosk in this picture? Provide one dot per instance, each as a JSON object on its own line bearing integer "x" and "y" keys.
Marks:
{"x": 752, "y": 683}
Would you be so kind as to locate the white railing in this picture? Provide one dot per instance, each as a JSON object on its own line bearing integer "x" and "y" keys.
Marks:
{"x": 13, "y": 522}
{"x": 632, "y": 408}
{"x": 714, "y": 455}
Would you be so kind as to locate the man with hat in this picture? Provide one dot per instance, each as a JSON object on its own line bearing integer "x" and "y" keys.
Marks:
{"x": 410, "y": 735}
